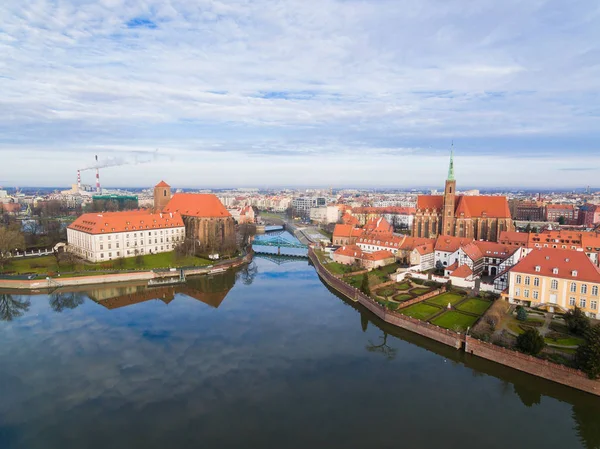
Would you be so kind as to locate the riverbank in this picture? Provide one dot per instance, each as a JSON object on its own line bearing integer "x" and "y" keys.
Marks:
{"x": 118, "y": 277}
{"x": 462, "y": 342}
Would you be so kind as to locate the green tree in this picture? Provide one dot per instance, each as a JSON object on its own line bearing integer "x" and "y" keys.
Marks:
{"x": 528, "y": 227}
{"x": 522, "y": 314}
{"x": 364, "y": 285}
{"x": 561, "y": 220}
{"x": 576, "y": 321}
{"x": 11, "y": 308}
{"x": 587, "y": 357}
{"x": 10, "y": 240}
{"x": 531, "y": 342}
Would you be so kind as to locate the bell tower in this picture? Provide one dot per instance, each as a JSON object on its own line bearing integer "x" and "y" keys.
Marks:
{"x": 449, "y": 199}
{"x": 162, "y": 195}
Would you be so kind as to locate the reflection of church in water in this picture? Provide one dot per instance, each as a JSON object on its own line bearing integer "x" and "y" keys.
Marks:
{"x": 210, "y": 290}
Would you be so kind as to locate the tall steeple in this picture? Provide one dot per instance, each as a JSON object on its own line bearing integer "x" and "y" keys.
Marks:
{"x": 451, "y": 167}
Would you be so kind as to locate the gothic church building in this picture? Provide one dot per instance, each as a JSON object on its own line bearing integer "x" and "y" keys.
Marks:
{"x": 477, "y": 217}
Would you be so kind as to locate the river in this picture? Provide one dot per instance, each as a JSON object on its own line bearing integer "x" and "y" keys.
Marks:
{"x": 266, "y": 357}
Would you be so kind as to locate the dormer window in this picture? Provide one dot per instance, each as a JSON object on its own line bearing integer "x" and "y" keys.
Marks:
{"x": 538, "y": 268}
{"x": 574, "y": 273}
{"x": 554, "y": 270}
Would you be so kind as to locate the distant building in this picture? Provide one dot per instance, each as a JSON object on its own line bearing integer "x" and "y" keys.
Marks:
{"x": 555, "y": 211}
{"x": 589, "y": 215}
{"x": 476, "y": 217}
{"x": 122, "y": 201}
{"x": 325, "y": 214}
{"x": 352, "y": 254}
{"x": 527, "y": 210}
{"x": 303, "y": 204}
{"x": 99, "y": 237}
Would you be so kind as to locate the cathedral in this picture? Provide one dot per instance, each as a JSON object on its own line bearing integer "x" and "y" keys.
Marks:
{"x": 478, "y": 217}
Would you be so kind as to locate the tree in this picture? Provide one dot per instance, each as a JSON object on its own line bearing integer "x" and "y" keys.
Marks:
{"x": 11, "y": 308}
{"x": 383, "y": 348}
{"x": 587, "y": 356}
{"x": 528, "y": 227}
{"x": 364, "y": 285}
{"x": 531, "y": 342}
{"x": 576, "y": 321}
{"x": 561, "y": 220}
{"x": 139, "y": 259}
{"x": 10, "y": 240}
{"x": 522, "y": 314}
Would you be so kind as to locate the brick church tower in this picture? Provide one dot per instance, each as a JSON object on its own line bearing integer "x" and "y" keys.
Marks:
{"x": 162, "y": 195}
{"x": 449, "y": 200}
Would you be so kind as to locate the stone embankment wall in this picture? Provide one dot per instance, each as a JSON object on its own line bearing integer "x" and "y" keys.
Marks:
{"x": 532, "y": 365}
{"x": 513, "y": 359}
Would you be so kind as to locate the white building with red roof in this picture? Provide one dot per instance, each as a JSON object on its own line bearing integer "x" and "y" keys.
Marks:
{"x": 99, "y": 237}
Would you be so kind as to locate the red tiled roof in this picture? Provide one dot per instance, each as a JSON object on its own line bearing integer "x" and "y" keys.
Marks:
{"x": 565, "y": 260}
{"x": 162, "y": 184}
{"x": 349, "y": 250}
{"x": 427, "y": 248}
{"x": 496, "y": 250}
{"x": 430, "y": 202}
{"x": 471, "y": 206}
{"x": 350, "y": 220}
{"x": 450, "y": 244}
{"x": 139, "y": 220}
{"x": 513, "y": 238}
{"x": 378, "y": 225}
{"x": 472, "y": 251}
{"x": 452, "y": 267}
{"x": 197, "y": 205}
{"x": 462, "y": 272}
{"x": 560, "y": 206}
{"x": 342, "y": 230}
{"x": 378, "y": 255}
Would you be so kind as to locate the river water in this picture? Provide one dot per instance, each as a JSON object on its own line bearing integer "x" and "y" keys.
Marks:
{"x": 266, "y": 357}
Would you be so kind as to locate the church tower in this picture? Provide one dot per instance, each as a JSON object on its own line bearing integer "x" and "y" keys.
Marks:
{"x": 162, "y": 195}
{"x": 449, "y": 199}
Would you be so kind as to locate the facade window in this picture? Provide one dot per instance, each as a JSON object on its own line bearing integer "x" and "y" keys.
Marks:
{"x": 109, "y": 246}
{"x": 582, "y": 303}
{"x": 583, "y": 289}
{"x": 536, "y": 294}
{"x": 594, "y": 290}
{"x": 572, "y": 301}
{"x": 101, "y": 246}
{"x": 527, "y": 280}
{"x": 518, "y": 279}
{"x": 594, "y": 304}
{"x": 536, "y": 282}
{"x": 109, "y": 254}
{"x": 517, "y": 292}
{"x": 101, "y": 255}
{"x": 554, "y": 285}
{"x": 109, "y": 237}
{"x": 117, "y": 244}
{"x": 526, "y": 293}
{"x": 573, "y": 287}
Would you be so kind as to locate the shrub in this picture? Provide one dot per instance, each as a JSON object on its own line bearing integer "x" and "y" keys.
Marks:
{"x": 364, "y": 285}
{"x": 531, "y": 342}
{"x": 522, "y": 314}
{"x": 576, "y": 321}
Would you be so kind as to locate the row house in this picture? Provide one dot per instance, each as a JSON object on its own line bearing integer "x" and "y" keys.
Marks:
{"x": 352, "y": 254}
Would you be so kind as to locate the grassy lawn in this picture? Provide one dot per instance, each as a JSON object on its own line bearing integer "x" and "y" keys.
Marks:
{"x": 474, "y": 305}
{"x": 383, "y": 272}
{"x": 419, "y": 291}
{"x": 338, "y": 268}
{"x": 445, "y": 298}
{"x": 515, "y": 327}
{"x": 402, "y": 297}
{"x": 45, "y": 264}
{"x": 565, "y": 340}
{"x": 454, "y": 320}
{"x": 403, "y": 286}
{"x": 420, "y": 311}
{"x": 354, "y": 281}
{"x": 386, "y": 291}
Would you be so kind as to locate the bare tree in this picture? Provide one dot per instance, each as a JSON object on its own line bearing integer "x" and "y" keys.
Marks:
{"x": 68, "y": 300}
{"x": 383, "y": 348}
{"x": 9, "y": 241}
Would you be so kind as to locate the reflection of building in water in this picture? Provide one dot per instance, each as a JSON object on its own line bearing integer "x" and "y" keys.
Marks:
{"x": 211, "y": 290}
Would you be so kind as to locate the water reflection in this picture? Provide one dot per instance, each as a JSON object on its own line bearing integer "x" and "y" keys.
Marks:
{"x": 382, "y": 347}
{"x": 12, "y": 307}
{"x": 60, "y": 301}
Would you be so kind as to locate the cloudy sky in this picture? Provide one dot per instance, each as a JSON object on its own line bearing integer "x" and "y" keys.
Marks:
{"x": 300, "y": 92}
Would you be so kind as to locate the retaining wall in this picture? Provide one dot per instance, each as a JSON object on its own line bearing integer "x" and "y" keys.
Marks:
{"x": 532, "y": 365}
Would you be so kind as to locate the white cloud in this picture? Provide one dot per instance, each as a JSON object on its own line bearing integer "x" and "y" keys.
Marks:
{"x": 299, "y": 75}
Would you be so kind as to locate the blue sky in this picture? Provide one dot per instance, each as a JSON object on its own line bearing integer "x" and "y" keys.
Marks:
{"x": 301, "y": 92}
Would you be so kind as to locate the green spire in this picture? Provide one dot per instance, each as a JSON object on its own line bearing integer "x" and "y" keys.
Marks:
{"x": 451, "y": 168}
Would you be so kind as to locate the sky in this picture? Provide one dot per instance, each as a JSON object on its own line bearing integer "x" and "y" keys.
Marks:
{"x": 264, "y": 93}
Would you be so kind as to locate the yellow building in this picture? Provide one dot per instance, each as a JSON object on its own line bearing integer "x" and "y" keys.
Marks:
{"x": 556, "y": 279}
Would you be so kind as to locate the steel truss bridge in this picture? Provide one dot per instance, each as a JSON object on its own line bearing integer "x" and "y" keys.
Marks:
{"x": 283, "y": 246}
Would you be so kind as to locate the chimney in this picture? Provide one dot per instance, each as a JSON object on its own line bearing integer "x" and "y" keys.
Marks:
{"x": 97, "y": 177}
{"x": 78, "y": 181}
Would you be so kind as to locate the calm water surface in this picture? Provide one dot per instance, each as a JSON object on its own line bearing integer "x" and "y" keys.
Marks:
{"x": 262, "y": 358}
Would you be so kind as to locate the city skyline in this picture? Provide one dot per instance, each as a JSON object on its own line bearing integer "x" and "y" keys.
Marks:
{"x": 363, "y": 94}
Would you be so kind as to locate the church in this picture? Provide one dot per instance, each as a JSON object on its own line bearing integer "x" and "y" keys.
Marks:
{"x": 477, "y": 217}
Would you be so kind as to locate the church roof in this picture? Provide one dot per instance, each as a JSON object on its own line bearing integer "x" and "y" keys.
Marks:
{"x": 472, "y": 206}
{"x": 197, "y": 205}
